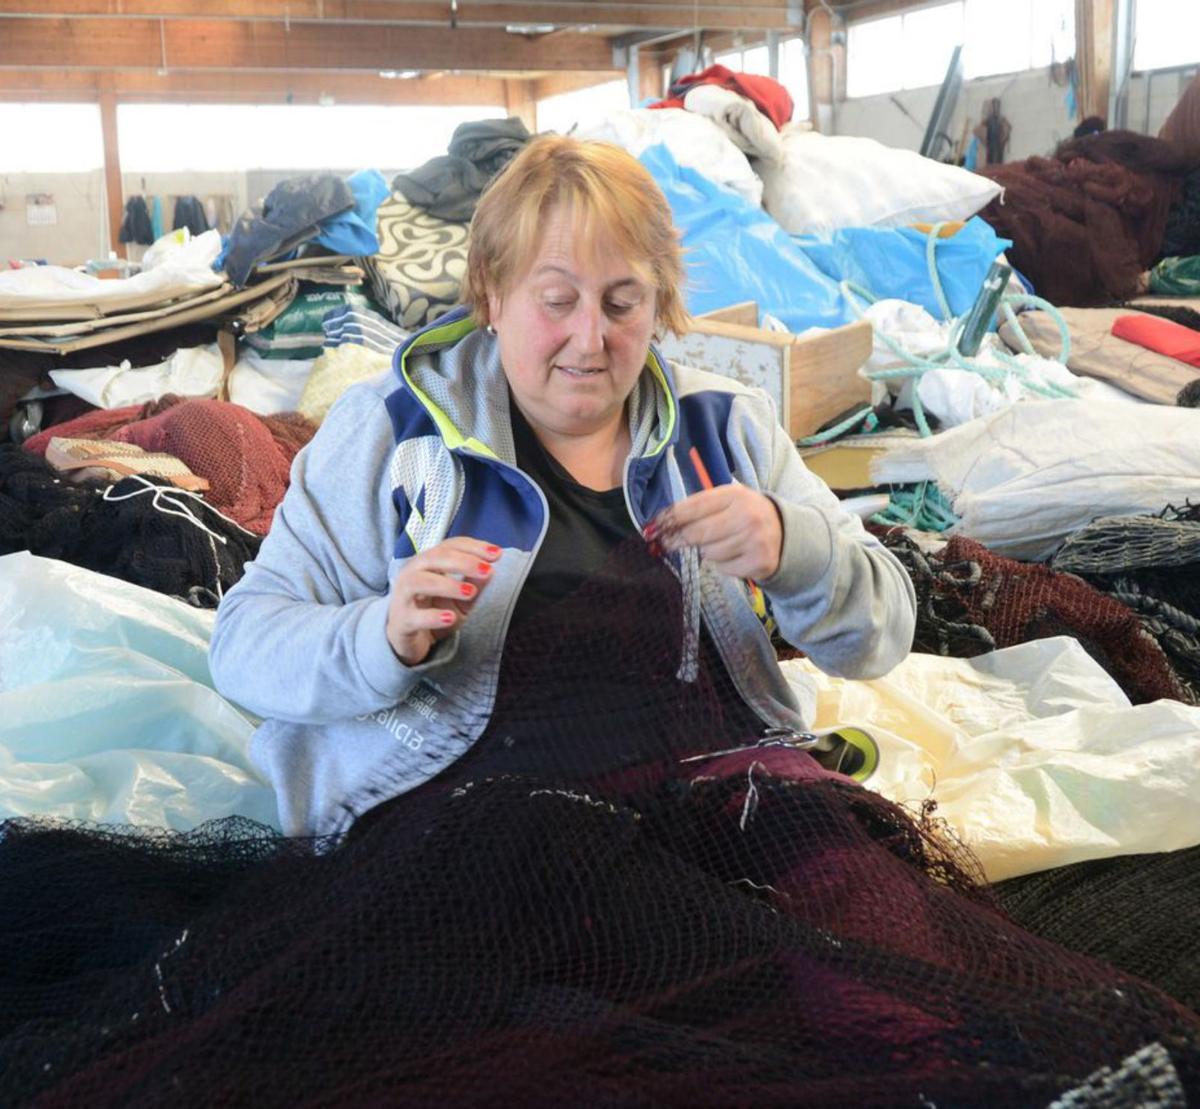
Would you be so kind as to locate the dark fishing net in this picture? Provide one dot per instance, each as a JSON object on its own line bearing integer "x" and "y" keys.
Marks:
{"x": 970, "y": 600}
{"x": 592, "y": 908}
{"x": 1138, "y": 912}
{"x": 141, "y": 530}
{"x": 1151, "y": 564}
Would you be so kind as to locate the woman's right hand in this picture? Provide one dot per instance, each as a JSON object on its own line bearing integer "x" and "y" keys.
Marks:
{"x": 434, "y": 593}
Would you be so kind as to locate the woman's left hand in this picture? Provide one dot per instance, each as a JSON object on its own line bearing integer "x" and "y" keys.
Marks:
{"x": 737, "y": 530}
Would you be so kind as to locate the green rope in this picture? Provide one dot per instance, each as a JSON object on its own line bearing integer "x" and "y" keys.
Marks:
{"x": 924, "y": 505}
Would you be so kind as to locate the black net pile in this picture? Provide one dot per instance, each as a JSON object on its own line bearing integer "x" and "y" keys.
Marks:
{"x": 970, "y": 600}
{"x": 1138, "y": 912}
{"x": 1152, "y": 565}
{"x": 596, "y": 907}
{"x": 144, "y": 530}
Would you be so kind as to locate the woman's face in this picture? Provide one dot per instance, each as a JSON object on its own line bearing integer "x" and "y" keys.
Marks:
{"x": 574, "y": 332}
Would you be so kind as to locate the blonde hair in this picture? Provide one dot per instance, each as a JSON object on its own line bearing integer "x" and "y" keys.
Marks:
{"x": 610, "y": 193}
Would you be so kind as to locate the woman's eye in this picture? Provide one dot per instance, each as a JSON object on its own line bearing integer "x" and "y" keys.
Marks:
{"x": 558, "y": 305}
{"x": 621, "y": 309}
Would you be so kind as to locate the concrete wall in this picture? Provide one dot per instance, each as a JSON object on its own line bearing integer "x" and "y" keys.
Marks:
{"x": 81, "y": 230}
{"x": 1034, "y": 106}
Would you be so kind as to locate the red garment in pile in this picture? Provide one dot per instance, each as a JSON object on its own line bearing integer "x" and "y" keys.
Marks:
{"x": 246, "y": 458}
{"x": 768, "y": 95}
{"x": 1165, "y": 336}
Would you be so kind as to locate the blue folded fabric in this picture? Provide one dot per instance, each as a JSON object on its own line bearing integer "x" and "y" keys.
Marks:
{"x": 736, "y": 252}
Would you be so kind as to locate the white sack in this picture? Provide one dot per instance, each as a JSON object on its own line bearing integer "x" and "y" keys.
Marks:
{"x": 1033, "y": 754}
{"x": 107, "y": 711}
{"x": 692, "y": 140}
{"x": 827, "y": 182}
{"x": 1024, "y": 478}
{"x": 269, "y": 385}
{"x": 190, "y": 372}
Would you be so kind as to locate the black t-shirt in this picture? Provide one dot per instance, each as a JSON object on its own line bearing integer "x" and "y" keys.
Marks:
{"x": 587, "y": 680}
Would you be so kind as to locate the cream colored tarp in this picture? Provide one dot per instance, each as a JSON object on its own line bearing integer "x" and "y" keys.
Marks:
{"x": 1034, "y": 755}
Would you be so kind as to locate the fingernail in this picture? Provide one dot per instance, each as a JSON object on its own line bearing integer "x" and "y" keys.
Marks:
{"x": 447, "y": 617}
{"x": 492, "y": 549}
{"x": 484, "y": 568}
{"x": 467, "y": 589}
{"x": 651, "y": 529}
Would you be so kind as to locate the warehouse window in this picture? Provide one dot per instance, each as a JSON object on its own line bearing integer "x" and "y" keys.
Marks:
{"x": 1166, "y": 34}
{"x": 913, "y": 49}
{"x": 565, "y": 109}
{"x": 165, "y": 138}
{"x": 1007, "y": 36}
{"x": 907, "y": 51}
{"x": 50, "y": 138}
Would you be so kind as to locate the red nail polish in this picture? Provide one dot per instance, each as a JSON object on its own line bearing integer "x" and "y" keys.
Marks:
{"x": 651, "y": 529}
{"x": 484, "y": 568}
{"x": 492, "y": 549}
{"x": 447, "y": 617}
{"x": 467, "y": 589}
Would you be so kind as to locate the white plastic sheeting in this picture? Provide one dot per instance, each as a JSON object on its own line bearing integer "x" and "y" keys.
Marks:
{"x": 1035, "y": 757}
{"x": 107, "y": 711}
{"x": 187, "y": 269}
{"x": 1025, "y": 478}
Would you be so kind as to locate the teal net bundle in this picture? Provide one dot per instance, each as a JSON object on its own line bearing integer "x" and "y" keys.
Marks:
{"x": 625, "y": 895}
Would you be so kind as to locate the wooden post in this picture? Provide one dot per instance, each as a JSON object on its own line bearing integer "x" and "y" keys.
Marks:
{"x": 519, "y": 101}
{"x": 113, "y": 188}
{"x": 821, "y": 89}
{"x": 1094, "y": 55}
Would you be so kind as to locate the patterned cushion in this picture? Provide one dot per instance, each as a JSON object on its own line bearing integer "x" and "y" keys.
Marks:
{"x": 422, "y": 260}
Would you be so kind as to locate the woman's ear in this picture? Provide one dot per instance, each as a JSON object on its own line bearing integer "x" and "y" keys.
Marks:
{"x": 494, "y": 308}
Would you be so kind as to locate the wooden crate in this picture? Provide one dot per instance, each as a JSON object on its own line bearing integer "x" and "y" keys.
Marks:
{"x": 811, "y": 378}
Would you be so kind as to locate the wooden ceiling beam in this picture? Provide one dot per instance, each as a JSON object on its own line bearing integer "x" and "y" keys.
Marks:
{"x": 36, "y": 41}
{"x": 763, "y": 15}
{"x": 142, "y": 86}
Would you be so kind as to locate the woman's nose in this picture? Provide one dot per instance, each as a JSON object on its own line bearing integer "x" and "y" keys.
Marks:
{"x": 590, "y": 328}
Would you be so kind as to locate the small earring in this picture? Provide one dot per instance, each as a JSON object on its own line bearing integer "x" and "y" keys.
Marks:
{"x": 490, "y": 329}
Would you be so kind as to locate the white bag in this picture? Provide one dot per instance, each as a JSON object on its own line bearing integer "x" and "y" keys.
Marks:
{"x": 827, "y": 182}
{"x": 1024, "y": 478}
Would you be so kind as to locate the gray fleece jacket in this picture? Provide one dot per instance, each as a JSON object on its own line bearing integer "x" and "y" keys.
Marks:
{"x": 425, "y": 453}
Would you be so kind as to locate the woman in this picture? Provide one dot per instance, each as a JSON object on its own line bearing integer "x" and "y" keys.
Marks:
{"x": 522, "y": 438}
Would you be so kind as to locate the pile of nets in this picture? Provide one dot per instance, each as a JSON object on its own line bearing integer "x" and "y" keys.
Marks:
{"x": 1138, "y": 912}
{"x": 140, "y": 530}
{"x": 587, "y": 910}
{"x": 970, "y": 600}
{"x": 246, "y": 458}
{"x": 1152, "y": 565}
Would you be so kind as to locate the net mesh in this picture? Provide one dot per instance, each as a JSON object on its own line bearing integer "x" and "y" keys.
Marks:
{"x": 970, "y": 600}
{"x": 1149, "y": 564}
{"x": 618, "y": 898}
{"x": 1137, "y": 912}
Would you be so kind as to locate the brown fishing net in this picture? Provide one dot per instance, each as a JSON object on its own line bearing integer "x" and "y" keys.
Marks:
{"x": 592, "y": 908}
{"x": 970, "y": 600}
{"x": 246, "y": 458}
